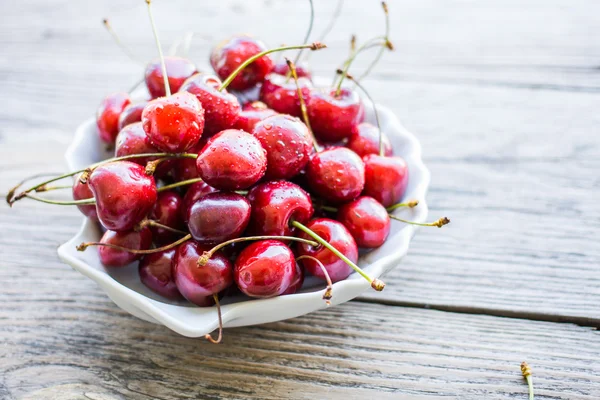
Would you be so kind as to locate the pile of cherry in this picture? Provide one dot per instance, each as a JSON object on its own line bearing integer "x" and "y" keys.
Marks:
{"x": 210, "y": 194}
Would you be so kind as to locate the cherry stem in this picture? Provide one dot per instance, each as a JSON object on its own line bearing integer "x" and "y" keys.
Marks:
{"x": 61, "y": 203}
{"x": 375, "y": 283}
{"x": 11, "y": 192}
{"x": 160, "y": 52}
{"x": 220, "y": 337}
{"x": 310, "y": 27}
{"x": 117, "y": 40}
{"x": 47, "y": 188}
{"x": 231, "y": 77}
{"x": 203, "y": 259}
{"x": 439, "y": 223}
{"x": 152, "y": 165}
{"x": 294, "y": 73}
{"x": 373, "y": 42}
{"x": 336, "y": 13}
{"x": 328, "y": 208}
{"x": 156, "y": 224}
{"x": 179, "y": 184}
{"x": 137, "y": 84}
{"x": 388, "y": 44}
{"x": 327, "y": 295}
{"x": 409, "y": 204}
{"x": 85, "y": 245}
{"x": 526, "y": 372}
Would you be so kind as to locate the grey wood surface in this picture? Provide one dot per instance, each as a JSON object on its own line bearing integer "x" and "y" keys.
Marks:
{"x": 504, "y": 96}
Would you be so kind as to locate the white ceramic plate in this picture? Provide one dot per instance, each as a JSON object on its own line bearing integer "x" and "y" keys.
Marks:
{"x": 123, "y": 285}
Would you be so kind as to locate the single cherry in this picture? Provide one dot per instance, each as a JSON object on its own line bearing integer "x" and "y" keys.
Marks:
{"x": 231, "y": 53}
{"x": 132, "y": 113}
{"x": 367, "y": 220}
{"x": 107, "y": 116}
{"x": 251, "y": 114}
{"x": 332, "y": 115}
{"x": 297, "y": 283}
{"x": 281, "y": 94}
{"x": 124, "y": 194}
{"x": 364, "y": 140}
{"x": 338, "y": 236}
{"x": 198, "y": 283}
{"x": 82, "y": 191}
{"x": 275, "y": 204}
{"x": 266, "y": 268}
{"x": 232, "y": 160}
{"x": 194, "y": 192}
{"x": 282, "y": 68}
{"x": 336, "y": 174}
{"x": 136, "y": 240}
{"x": 386, "y": 178}
{"x": 175, "y": 123}
{"x": 167, "y": 211}
{"x": 217, "y": 217}
{"x": 156, "y": 272}
{"x": 178, "y": 70}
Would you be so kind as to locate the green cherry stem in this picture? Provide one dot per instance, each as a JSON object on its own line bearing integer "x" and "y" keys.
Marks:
{"x": 303, "y": 109}
{"x": 119, "y": 43}
{"x": 61, "y": 203}
{"x": 334, "y": 16}
{"x": 179, "y": 184}
{"x": 155, "y": 224}
{"x": 208, "y": 336}
{"x": 158, "y": 46}
{"x": 373, "y": 42}
{"x": 526, "y": 372}
{"x": 375, "y": 283}
{"x": 388, "y": 44}
{"x": 84, "y": 246}
{"x": 203, "y": 259}
{"x": 327, "y": 295}
{"x": 439, "y": 223}
{"x": 409, "y": 204}
{"x": 308, "y": 32}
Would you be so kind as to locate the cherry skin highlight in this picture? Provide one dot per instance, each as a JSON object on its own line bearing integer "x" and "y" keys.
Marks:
{"x": 175, "y": 123}
{"x": 167, "y": 211}
{"x": 137, "y": 240}
{"x": 82, "y": 191}
{"x": 198, "y": 283}
{"x": 364, "y": 140}
{"x": 231, "y": 53}
{"x": 281, "y": 93}
{"x": 194, "y": 192}
{"x": 275, "y": 204}
{"x": 232, "y": 160}
{"x": 332, "y": 117}
{"x": 296, "y": 284}
{"x": 386, "y": 178}
{"x": 156, "y": 273}
{"x": 132, "y": 113}
{"x": 218, "y": 217}
{"x": 367, "y": 220}
{"x": 251, "y": 114}
{"x": 107, "y": 116}
{"x": 338, "y": 236}
{"x": 178, "y": 70}
{"x": 124, "y": 194}
{"x": 336, "y": 174}
{"x": 266, "y": 268}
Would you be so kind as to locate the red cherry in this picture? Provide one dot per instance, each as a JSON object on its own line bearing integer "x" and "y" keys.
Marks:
{"x": 137, "y": 240}
{"x": 174, "y": 123}
{"x": 266, "y": 268}
{"x": 367, "y": 220}
{"x": 297, "y": 283}
{"x": 217, "y": 217}
{"x": 221, "y": 109}
{"x": 167, "y": 211}
{"x": 199, "y": 283}
{"x": 230, "y": 54}
{"x": 251, "y": 114}
{"x": 288, "y": 144}
{"x": 82, "y": 191}
{"x": 282, "y": 68}
{"x": 336, "y": 174}
{"x": 107, "y": 116}
{"x": 156, "y": 273}
{"x": 124, "y": 194}
{"x": 275, "y": 204}
{"x": 281, "y": 93}
{"x": 178, "y": 70}
{"x": 386, "y": 178}
{"x": 132, "y": 113}
{"x": 364, "y": 140}
{"x": 194, "y": 192}
{"x": 338, "y": 236}
{"x": 232, "y": 160}
{"x": 332, "y": 116}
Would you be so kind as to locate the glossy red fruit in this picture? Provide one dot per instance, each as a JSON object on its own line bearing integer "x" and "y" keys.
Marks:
{"x": 132, "y": 113}
{"x": 296, "y": 284}
{"x": 281, "y": 94}
{"x": 338, "y": 236}
{"x": 221, "y": 108}
{"x": 282, "y": 68}
{"x": 386, "y": 178}
{"x": 332, "y": 117}
{"x": 167, "y": 211}
{"x": 178, "y": 70}
{"x": 124, "y": 194}
{"x": 185, "y": 168}
{"x": 275, "y": 204}
{"x": 137, "y": 240}
{"x": 336, "y": 174}
{"x": 231, "y": 53}
{"x": 198, "y": 283}
{"x": 217, "y": 217}
{"x": 251, "y": 114}
{"x": 232, "y": 160}
{"x": 175, "y": 123}
{"x": 82, "y": 191}
{"x": 266, "y": 268}
{"x": 364, "y": 140}
{"x": 367, "y": 220}
{"x": 288, "y": 144}
{"x": 194, "y": 192}
{"x": 107, "y": 116}
{"x": 156, "y": 272}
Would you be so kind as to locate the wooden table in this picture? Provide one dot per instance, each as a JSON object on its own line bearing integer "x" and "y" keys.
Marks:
{"x": 504, "y": 96}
